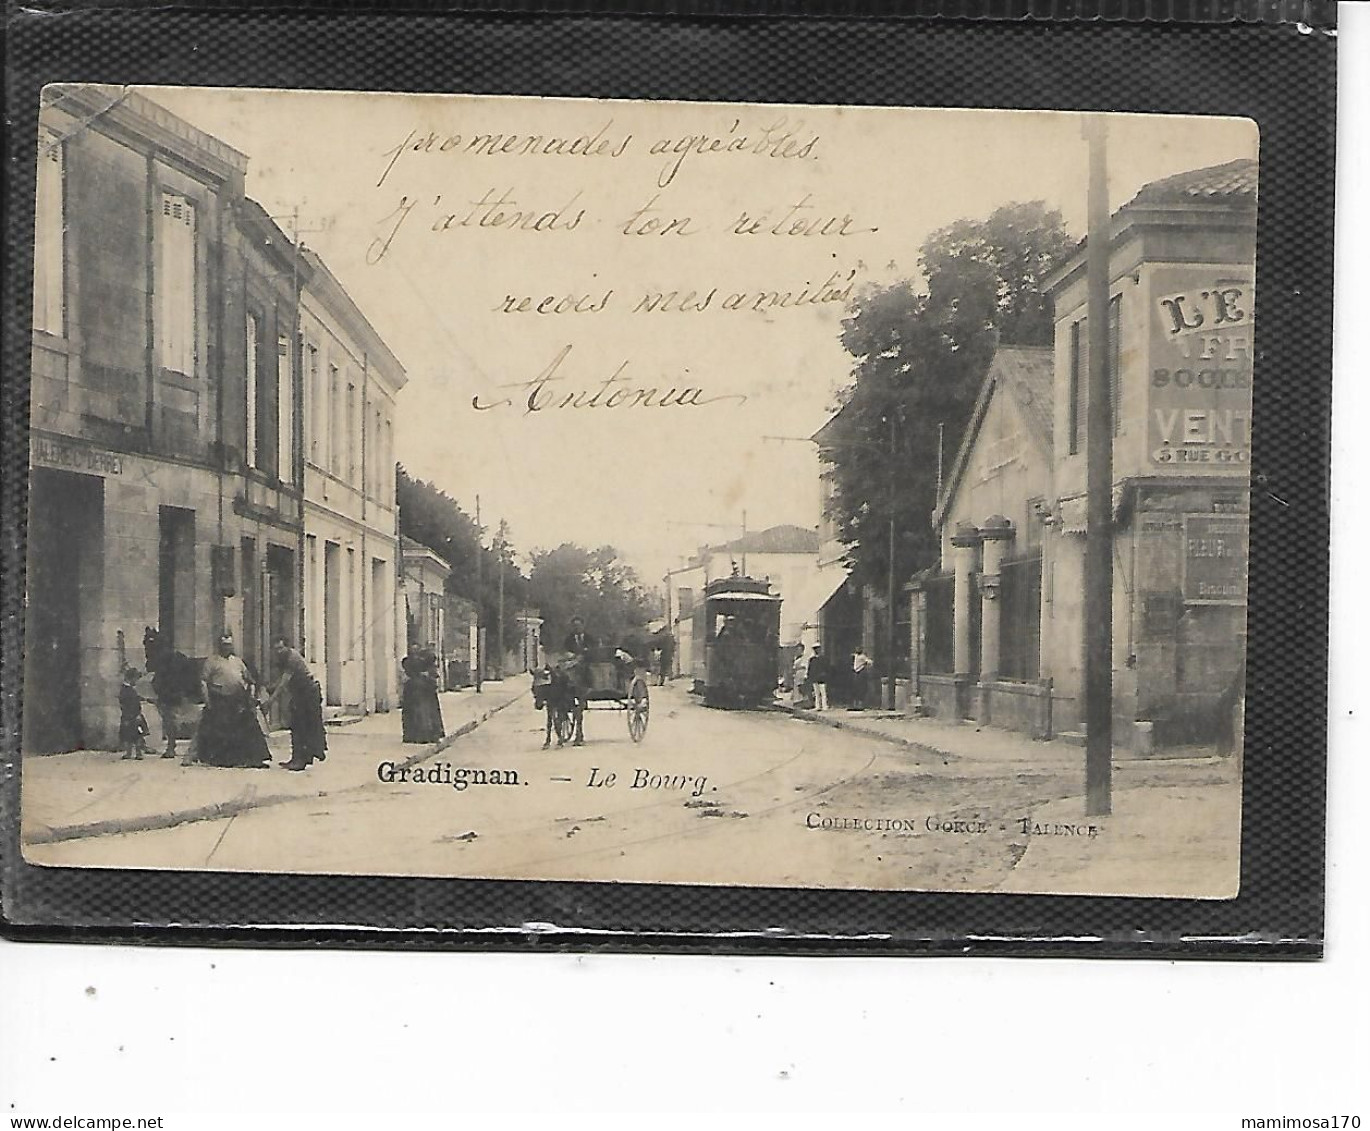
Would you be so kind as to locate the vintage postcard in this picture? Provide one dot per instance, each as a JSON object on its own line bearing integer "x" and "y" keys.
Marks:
{"x": 651, "y": 492}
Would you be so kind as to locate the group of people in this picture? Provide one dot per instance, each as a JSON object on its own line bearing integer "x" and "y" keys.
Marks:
{"x": 231, "y": 730}
{"x": 811, "y": 678}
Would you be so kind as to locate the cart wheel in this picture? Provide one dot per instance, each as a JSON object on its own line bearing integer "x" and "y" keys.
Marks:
{"x": 639, "y": 708}
{"x": 565, "y": 727}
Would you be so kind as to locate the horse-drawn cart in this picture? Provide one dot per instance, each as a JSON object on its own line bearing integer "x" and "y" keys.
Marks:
{"x": 617, "y": 684}
{"x": 602, "y": 679}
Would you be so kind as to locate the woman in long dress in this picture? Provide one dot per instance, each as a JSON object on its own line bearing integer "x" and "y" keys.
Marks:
{"x": 230, "y": 734}
{"x": 420, "y": 713}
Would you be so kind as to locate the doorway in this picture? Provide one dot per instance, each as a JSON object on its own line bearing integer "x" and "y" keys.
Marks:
{"x": 332, "y": 623}
{"x": 381, "y": 614}
{"x": 176, "y": 577}
{"x": 64, "y": 578}
{"x": 279, "y": 616}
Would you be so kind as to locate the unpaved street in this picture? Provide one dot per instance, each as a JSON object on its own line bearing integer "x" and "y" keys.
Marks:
{"x": 708, "y": 797}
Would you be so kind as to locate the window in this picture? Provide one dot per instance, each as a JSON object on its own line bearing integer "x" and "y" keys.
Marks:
{"x": 352, "y": 611}
{"x": 351, "y": 434}
{"x": 388, "y": 466}
{"x": 314, "y": 407}
{"x": 335, "y": 425}
{"x": 376, "y": 461}
{"x": 1079, "y": 385}
{"x": 49, "y": 239}
{"x": 285, "y": 412}
{"x": 311, "y": 598}
{"x": 254, "y": 333}
{"x": 175, "y": 284}
{"x": 1079, "y": 374}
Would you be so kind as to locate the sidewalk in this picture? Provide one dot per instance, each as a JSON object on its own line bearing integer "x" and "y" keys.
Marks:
{"x": 95, "y": 793}
{"x": 969, "y": 742}
{"x": 950, "y": 741}
{"x": 1174, "y": 830}
{"x": 1175, "y": 841}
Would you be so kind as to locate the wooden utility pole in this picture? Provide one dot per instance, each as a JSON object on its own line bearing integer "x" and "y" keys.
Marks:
{"x": 891, "y": 628}
{"x": 480, "y": 598}
{"x": 1098, "y": 618}
{"x": 499, "y": 631}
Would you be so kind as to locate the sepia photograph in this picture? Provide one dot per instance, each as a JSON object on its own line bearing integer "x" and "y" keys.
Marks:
{"x": 497, "y": 487}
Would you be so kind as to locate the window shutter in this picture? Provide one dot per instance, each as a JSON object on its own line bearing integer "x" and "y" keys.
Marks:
{"x": 253, "y": 347}
{"x": 1115, "y": 339}
{"x": 1079, "y": 384}
{"x": 175, "y": 282}
{"x": 285, "y": 411}
{"x": 49, "y": 215}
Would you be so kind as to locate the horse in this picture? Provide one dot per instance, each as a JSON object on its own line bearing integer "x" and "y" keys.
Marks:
{"x": 175, "y": 683}
{"x": 558, "y": 691}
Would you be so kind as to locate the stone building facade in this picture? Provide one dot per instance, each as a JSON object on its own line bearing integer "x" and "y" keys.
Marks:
{"x": 998, "y": 629}
{"x": 168, "y": 435}
{"x": 165, "y": 488}
{"x": 354, "y": 612}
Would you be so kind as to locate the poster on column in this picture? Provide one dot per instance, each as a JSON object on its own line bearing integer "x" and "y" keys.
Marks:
{"x": 568, "y": 489}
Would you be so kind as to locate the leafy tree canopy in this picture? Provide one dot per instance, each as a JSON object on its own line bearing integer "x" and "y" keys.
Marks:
{"x": 572, "y": 581}
{"x": 434, "y": 519}
{"x": 918, "y": 360}
{"x": 561, "y": 583}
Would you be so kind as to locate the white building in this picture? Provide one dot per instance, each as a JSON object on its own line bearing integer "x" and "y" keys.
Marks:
{"x": 354, "y": 614}
{"x": 787, "y": 556}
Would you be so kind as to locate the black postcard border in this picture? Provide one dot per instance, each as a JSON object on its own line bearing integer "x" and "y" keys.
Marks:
{"x": 1282, "y": 74}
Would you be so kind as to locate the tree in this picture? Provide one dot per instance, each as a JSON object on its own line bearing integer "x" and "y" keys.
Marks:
{"x": 990, "y": 274}
{"x": 434, "y": 519}
{"x": 919, "y": 360}
{"x": 572, "y": 581}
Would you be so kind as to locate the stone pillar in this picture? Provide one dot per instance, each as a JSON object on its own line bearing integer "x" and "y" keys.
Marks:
{"x": 918, "y": 620}
{"x": 966, "y": 542}
{"x": 997, "y": 533}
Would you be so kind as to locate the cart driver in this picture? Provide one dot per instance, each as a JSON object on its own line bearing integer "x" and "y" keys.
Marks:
{"x": 578, "y": 642}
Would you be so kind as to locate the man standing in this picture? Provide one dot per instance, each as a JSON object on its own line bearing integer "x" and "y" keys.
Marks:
{"x": 861, "y": 671}
{"x": 308, "y": 740}
{"x": 818, "y": 678}
{"x": 667, "y": 658}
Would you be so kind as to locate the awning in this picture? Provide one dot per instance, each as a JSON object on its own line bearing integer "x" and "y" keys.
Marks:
{"x": 830, "y": 585}
{"x": 1075, "y": 509}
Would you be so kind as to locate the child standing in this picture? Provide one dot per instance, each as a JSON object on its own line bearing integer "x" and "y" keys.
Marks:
{"x": 133, "y": 728}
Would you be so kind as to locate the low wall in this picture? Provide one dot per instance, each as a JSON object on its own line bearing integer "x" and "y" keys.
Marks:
{"x": 1024, "y": 707}
{"x": 947, "y": 696}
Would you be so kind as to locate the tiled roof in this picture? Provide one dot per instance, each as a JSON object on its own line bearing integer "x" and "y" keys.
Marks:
{"x": 1219, "y": 184}
{"x": 1232, "y": 185}
{"x": 1027, "y": 374}
{"x": 776, "y": 540}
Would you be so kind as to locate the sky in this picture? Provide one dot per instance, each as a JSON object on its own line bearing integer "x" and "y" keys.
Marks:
{"x": 439, "y": 241}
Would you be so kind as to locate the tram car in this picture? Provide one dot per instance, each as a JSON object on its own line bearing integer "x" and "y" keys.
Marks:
{"x": 737, "y": 633}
